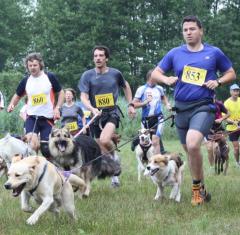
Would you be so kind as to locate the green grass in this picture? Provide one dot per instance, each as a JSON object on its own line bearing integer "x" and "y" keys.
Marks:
{"x": 131, "y": 210}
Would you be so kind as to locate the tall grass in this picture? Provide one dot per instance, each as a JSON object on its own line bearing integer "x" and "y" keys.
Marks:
{"x": 131, "y": 210}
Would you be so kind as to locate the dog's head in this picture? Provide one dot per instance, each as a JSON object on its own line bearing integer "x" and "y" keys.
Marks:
{"x": 157, "y": 163}
{"x": 60, "y": 141}
{"x": 144, "y": 137}
{"x": 22, "y": 174}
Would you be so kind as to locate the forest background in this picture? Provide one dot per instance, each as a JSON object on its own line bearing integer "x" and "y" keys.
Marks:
{"x": 138, "y": 33}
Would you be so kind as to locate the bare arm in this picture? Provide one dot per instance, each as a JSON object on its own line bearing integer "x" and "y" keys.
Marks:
{"x": 138, "y": 104}
{"x": 227, "y": 77}
{"x": 60, "y": 101}
{"x": 128, "y": 95}
{"x": 85, "y": 100}
{"x": 159, "y": 77}
{"x": 13, "y": 103}
{"x": 166, "y": 102}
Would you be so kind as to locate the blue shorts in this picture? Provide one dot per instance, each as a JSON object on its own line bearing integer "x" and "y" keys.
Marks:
{"x": 201, "y": 121}
{"x": 40, "y": 125}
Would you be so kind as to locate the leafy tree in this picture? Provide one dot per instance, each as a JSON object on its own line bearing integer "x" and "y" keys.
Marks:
{"x": 14, "y": 27}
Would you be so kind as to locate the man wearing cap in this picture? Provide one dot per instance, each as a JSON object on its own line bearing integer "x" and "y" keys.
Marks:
{"x": 233, "y": 106}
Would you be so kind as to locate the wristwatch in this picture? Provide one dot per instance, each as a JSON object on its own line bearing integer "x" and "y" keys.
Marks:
{"x": 219, "y": 82}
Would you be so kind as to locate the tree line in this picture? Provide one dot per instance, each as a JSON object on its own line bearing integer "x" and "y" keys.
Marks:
{"x": 138, "y": 33}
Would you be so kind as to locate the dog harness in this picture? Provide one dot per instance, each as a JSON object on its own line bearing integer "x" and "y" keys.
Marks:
{"x": 39, "y": 180}
{"x": 145, "y": 149}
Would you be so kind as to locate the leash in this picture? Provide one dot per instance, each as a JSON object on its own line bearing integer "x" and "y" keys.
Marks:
{"x": 120, "y": 146}
{"x": 86, "y": 126}
{"x": 218, "y": 136}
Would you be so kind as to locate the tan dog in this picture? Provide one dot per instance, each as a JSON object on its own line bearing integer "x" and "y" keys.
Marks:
{"x": 144, "y": 150}
{"x": 166, "y": 170}
{"x": 35, "y": 176}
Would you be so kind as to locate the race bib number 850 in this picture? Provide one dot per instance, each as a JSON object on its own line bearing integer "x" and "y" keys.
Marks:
{"x": 39, "y": 99}
{"x": 194, "y": 75}
{"x": 104, "y": 100}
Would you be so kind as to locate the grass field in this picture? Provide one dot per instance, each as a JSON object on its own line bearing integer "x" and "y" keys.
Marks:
{"x": 131, "y": 210}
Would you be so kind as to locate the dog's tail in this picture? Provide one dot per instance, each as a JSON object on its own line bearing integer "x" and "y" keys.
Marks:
{"x": 177, "y": 158}
{"x": 109, "y": 167}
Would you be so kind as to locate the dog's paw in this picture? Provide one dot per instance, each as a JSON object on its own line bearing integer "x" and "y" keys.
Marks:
{"x": 32, "y": 220}
{"x": 157, "y": 198}
{"x": 28, "y": 209}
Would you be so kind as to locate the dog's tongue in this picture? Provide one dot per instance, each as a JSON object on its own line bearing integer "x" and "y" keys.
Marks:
{"x": 61, "y": 147}
{"x": 15, "y": 193}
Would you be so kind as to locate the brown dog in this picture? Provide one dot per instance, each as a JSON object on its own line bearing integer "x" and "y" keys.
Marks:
{"x": 166, "y": 170}
{"x": 221, "y": 155}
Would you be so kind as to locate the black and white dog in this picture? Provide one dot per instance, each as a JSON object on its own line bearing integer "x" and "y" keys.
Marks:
{"x": 144, "y": 150}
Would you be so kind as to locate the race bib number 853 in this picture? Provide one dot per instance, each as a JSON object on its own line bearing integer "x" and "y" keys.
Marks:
{"x": 194, "y": 75}
{"x": 104, "y": 100}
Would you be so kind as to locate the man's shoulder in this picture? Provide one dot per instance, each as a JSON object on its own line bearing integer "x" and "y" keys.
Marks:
{"x": 114, "y": 70}
{"x": 211, "y": 47}
{"x": 89, "y": 71}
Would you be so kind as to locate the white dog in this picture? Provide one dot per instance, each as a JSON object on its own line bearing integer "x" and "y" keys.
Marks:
{"x": 37, "y": 177}
{"x": 166, "y": 170}
{"x": 144, "y": 150}
{"x": 11, "y": 146}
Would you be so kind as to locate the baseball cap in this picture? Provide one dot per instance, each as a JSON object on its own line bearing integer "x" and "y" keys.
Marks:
{"x": 234, "y": 87}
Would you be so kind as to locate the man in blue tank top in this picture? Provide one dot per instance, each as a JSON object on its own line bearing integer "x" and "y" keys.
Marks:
{"x": 195, "y": 66}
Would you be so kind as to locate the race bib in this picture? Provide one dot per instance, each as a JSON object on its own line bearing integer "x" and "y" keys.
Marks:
{"x": 39, "y": 99}
{"x": 72, "y": 126}
{"x": 104, "y": 100}
{"x": 194, "y": 75}
{"x": 87, "y": 113}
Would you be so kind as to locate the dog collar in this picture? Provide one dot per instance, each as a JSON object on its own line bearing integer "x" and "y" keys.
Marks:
{"x": 39, "y": 180}
{"x": 169, "y": 171}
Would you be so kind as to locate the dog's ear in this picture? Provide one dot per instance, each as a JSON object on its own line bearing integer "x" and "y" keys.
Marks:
{"x": 17, "y": 158}
{"x": 32, "y": 167}
{"x": 53, "y": 131}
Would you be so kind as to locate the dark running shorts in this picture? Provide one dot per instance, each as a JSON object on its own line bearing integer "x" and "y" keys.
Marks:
{"x": 96, "y": 126}
{"x": 201, "y": 121}
{"x": 40, "y": 125}
{"x": 234, "y": 136}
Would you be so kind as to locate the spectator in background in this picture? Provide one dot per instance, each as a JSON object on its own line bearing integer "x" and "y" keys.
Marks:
{"x": 70, "y": 112}
{"x": 233, "y": 106}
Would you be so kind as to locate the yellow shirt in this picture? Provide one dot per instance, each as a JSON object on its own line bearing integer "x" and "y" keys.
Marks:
{"x": 233, "y": 108}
